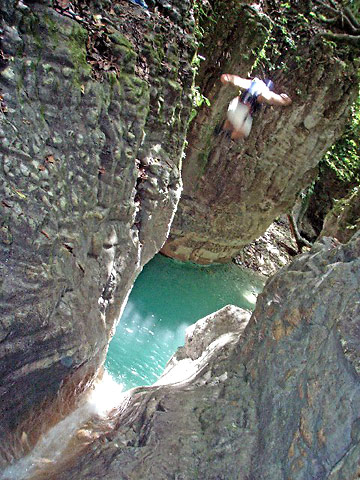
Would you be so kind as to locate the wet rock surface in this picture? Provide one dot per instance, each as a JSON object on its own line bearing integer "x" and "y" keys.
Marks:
{"x": 90, "y": 153}
{"x": 278, "y": 400}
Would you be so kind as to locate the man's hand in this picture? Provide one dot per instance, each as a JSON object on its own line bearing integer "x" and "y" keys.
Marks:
{"x": 272, "y": 98}
{"x": 287, "y": 100}
{"x": 225, "y": 78}
{"x": 239, "y": 82}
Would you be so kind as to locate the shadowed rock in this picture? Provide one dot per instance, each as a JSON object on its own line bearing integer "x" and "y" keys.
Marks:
{"x": 343, "y": 221}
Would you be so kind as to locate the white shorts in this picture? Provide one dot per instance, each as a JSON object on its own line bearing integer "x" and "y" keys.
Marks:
{"x": 239, "y": 116}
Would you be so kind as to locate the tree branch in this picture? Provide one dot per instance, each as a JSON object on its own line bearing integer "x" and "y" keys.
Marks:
{"x": 330, "y": 21}
{"x": 300, "y": 241}
{"x": 327, "y": 7}
{"x": 345, "y": 17}
{"x": 352, "y": 17}
{"x": 342, "y": 37}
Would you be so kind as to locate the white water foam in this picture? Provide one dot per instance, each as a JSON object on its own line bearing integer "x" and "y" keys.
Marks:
{"x": 106, "y": 395}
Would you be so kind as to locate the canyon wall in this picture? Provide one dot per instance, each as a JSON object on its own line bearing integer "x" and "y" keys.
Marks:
{"x": 233, "y": 190}
{"x": 94, "y": 108}
{"x": 343, "y": 221}
{"x": 275, "y": 397}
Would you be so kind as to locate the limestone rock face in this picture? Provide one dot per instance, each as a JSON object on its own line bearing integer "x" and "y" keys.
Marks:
{"x": 90, "y": 180}
{"x": 328, "y": 193}
{"x": 343, "y": 221}
{"x": 277, "y": 400}
{"x": 234, "y": 190}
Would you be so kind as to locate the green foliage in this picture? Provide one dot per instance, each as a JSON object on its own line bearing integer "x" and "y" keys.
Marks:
{"x": 344, "y": 156}
{"x": 288, "y": 25}
{"x": 354, "y": 6}
{"x": 203, "y": 15}
{"x": 205, "y": 20}
{"x": 306, "y": 194}
{"x": 197, "y": 97}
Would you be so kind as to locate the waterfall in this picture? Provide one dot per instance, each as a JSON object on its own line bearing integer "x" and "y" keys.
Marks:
{"x": 103, "y": 397}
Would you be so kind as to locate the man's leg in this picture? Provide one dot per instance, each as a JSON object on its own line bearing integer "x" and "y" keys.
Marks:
{"x": 227, "y": 125}
{"x": 247, "y": 125}
{"x": 244, "y": 130}
{"x": 237, "y": 134}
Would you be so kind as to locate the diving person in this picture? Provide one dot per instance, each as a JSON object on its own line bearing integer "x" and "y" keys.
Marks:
{"x": 241, "y": 108}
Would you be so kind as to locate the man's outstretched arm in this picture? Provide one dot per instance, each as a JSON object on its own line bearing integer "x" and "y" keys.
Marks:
{"x": 272, "y": 98}
{"x": 239, "y": 82}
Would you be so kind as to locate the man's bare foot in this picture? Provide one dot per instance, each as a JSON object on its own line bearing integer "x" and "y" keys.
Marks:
{"x": 237, "y": 134}
{"x": 227, "y": 126}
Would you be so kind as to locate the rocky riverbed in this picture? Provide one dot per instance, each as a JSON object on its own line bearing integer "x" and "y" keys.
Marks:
{"x": 270, "y": 252}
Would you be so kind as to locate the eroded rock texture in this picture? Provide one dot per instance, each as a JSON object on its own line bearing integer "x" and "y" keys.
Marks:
{"x": 329, "y": 194}
{"x": 234, "y": 190}
{"x": 343, "y": 221}
{"x": 278, "y": 400}
{"x": 89, "y": 184}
